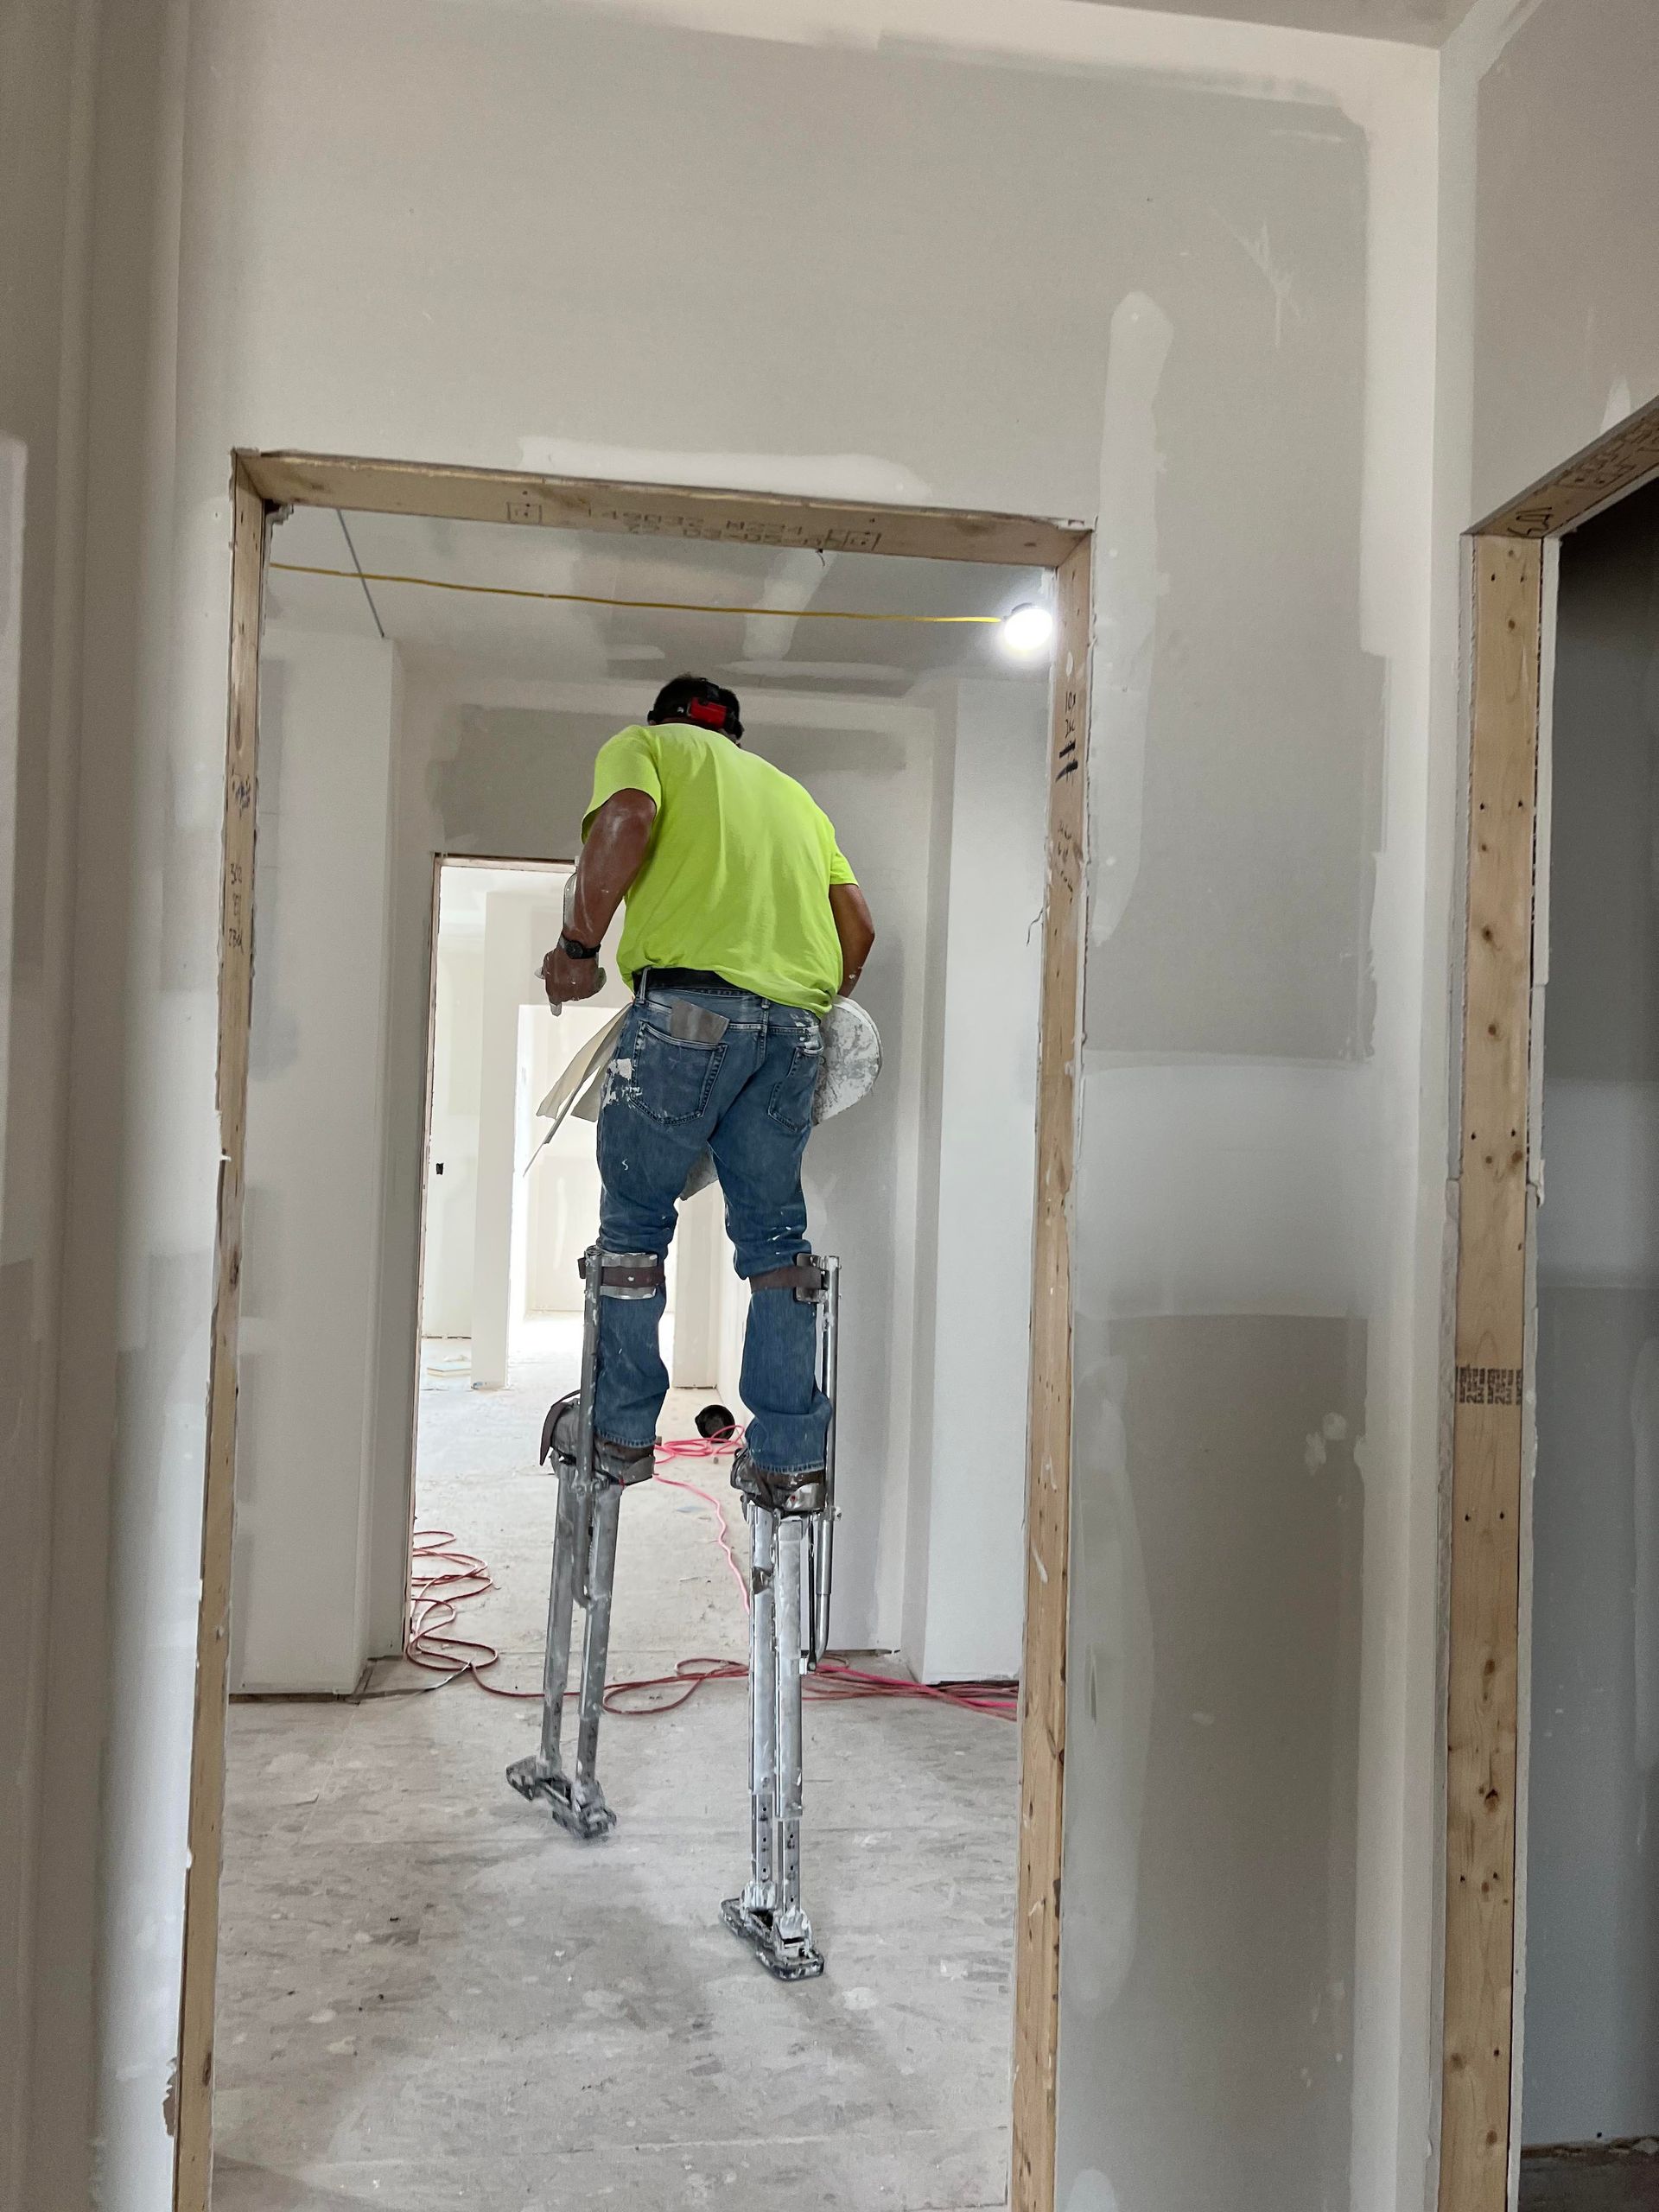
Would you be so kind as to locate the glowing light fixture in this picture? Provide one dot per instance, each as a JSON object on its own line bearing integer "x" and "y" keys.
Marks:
{"x": 1026, "y": 631}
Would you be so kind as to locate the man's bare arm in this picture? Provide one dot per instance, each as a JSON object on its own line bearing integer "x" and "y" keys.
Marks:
{"x": 856, "y": 929}
{"x": 612, "y": 855}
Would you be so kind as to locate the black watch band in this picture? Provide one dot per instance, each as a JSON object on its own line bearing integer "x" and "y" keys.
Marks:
{"x": 573, "y": 950}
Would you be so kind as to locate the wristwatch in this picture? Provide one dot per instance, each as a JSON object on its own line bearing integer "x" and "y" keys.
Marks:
{"x": 572, "y": 950}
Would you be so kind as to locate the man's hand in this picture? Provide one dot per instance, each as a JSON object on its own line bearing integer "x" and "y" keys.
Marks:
{"x": 567, "y": 979}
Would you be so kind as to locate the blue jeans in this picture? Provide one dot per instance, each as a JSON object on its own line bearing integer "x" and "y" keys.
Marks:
{"x": 748, "y": 1098}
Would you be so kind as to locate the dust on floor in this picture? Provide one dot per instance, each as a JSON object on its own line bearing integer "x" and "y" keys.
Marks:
{"x": 430, "y": 1997}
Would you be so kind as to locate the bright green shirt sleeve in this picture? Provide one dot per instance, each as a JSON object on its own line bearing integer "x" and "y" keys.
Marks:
{"x": 627, "y": 762}
{"x": 840, "y": 866}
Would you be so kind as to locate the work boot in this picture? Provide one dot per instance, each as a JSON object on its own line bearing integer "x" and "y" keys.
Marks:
{"x": 615, "y": 1463}
{"x": 796, "y": 1493}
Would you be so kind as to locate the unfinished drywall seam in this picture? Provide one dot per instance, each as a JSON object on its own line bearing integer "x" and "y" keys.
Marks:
{"x": 1396, "y": 1840}
{"x": 1126, "y": 604}
{"x": 1268, "y": 59}
{"x": 1470, "y": 51}
{"x": 799, "y": 475}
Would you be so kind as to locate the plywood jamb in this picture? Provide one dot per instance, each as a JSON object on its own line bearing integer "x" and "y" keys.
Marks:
{"x": 193, "y": 2099}
{"x": 659, "y": 510}
{"x": 1491, "y": 1356}
{"x": 1048, "y": 1485}
{"x": 1603, "y": 474}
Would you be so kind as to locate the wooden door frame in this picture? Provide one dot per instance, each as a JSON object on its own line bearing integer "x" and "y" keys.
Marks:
{"x": 264, "y": 484}
{"x": 1495, "y": 1188}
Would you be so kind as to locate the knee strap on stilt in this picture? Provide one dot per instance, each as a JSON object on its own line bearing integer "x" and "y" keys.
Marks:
{"x": 626, "y": 1274}
{"x": 804, "y": 1276}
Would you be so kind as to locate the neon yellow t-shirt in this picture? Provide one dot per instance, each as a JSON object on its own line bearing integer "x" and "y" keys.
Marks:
{"x": 737, "y": 875}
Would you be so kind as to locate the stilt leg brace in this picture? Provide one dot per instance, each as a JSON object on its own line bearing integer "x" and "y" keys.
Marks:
{"x": 584, "y": 1567}
{"x": 789, "y": 1626}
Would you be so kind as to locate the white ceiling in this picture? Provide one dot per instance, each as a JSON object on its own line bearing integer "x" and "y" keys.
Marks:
{"x": 464, "y": 888}
{"x": 576, "y": 643}
{"x": 1420, "y": 22}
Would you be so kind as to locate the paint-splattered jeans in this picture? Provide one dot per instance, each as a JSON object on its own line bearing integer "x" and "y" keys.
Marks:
{"x": 748, "y": 1098}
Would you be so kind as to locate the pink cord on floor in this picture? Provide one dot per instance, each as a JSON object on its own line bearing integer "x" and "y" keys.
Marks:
{"x": 443, "y": 1578}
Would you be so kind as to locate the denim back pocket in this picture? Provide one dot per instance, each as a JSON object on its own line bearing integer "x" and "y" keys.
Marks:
{"x": 790, "y": 1103}
{"x": 671, "y": 1081}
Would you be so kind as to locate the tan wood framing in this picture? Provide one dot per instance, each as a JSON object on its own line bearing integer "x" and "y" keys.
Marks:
{"x": 264, "y": 482}
{"x": 1493, "y": 1379}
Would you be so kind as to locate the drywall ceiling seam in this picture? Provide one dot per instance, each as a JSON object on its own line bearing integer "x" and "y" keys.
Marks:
{"x": 464, "y": 684}
{"x": 1264, "y": 59}
{"x": 1484, "y": 32}
{"x": 847, "y": 476}
{"x": 796, "y": 573}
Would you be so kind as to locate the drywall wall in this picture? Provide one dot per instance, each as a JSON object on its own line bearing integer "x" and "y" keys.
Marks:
{"x": 562, "y": 1194}
{"x": 452, "y": 1166}
{"x": 310, "y": 1275}
{"x": 1178, "y": 274}
{"x": 47, "y": 57}
{"x": 1244, "y": 1346}
{"x": 962, "y": 1608}
{"x": 1567, "y": 195}
{"x": 517, "y": 933}
{"x": 1591, "y": 2045}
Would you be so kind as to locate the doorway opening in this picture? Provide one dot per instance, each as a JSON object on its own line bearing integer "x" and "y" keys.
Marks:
{"x": 509, "y": 1205}
{"x": 1589, "y": 2087}
{"x": 457, "y": 747}
{"x": 1537, "y": 1406}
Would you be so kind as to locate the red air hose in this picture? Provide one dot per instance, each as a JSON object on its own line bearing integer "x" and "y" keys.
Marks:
{"x": 443, "y": 1578}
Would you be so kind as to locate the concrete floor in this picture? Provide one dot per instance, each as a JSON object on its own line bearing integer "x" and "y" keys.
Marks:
{"x": 430, "y": 1997}
{"x": 1593, "y": 2178}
